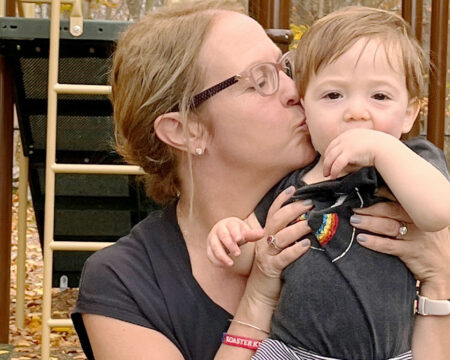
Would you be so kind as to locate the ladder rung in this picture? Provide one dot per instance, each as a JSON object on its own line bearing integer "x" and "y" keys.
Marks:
{"x": 82, "y": 89}
{"x": 97, "y": 169}
{"x": 79, "y": 245}
{"x": 45, "y": 1}
{"x": 60, "y": 323}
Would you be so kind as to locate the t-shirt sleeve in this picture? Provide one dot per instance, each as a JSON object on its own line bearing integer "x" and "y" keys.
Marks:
{"x": 118, "y": 282}
{"x": 429, "y": 152}
{"x": 103, "y": 291}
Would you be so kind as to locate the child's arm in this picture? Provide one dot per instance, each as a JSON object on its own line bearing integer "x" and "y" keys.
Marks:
{"x": 227, "y": 236}
{"x": 422, "y": 190}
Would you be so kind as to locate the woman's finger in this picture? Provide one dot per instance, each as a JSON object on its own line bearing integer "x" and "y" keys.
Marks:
{"x": 384, "y": 245}
{"x": 280, "y": 200}
{"x": 289, "y": 235}
{"x": 377, "y": 225}
{"x": 291, "y": 253}
{"x": 273, "y": 265}
{"x": 286, "y": 215}
{"x": 388, "y": 209}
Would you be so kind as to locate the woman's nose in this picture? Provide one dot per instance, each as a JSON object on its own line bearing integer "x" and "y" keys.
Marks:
{"x": 287, "y": 90}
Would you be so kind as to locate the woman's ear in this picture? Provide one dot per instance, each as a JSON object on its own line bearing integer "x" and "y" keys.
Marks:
{"x": 169, "y": 129}
{"x": 411, "y": 114}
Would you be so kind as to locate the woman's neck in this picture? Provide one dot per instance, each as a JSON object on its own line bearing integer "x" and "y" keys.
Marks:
{"x": 216, "y": 197}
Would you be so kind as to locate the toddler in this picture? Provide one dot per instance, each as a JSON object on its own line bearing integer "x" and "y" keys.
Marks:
{"x": 359, "y": 72}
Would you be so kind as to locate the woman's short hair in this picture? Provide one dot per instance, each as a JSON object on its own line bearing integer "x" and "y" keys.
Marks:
{"x": 155, "y": 66}
{"x": 331, "y": 36}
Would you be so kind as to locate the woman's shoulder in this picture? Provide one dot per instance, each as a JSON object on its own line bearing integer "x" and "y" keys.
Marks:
{"x": 123, "y": 275}
{"x": 137, "y": 259}
{"x": 158, "y": 230}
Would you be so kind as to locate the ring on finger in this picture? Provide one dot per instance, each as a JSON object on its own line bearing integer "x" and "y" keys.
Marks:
{"x": 402, "y": 231}
{"x": 272, "y": 241}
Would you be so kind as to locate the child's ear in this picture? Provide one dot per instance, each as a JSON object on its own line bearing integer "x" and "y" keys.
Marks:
{"x": 169, "y": 129}
{"x": 411, "y": 114}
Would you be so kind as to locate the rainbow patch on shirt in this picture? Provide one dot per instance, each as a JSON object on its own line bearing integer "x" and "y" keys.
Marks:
{"x": 328, "y": 228}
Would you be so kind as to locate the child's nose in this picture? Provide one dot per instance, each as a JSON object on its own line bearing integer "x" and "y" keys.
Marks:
{"x": 357, "y": 111}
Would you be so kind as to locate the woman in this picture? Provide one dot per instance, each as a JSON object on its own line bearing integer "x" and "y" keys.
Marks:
{"x": 154, "y": 295}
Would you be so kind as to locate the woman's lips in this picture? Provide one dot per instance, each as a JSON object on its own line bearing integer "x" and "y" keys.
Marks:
{"x": 303, "y": 126}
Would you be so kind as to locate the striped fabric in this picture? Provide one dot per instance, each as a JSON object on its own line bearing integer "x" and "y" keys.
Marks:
{"x": 276, "y": 350}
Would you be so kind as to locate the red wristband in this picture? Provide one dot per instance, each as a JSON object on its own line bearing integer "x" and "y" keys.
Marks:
{"x": 240, "y": 341}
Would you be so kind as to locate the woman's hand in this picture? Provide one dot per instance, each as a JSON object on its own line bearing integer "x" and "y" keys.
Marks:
{"x": 278, "y": 249}
{"x": 426, "y": 254}
{"x": 263, "y": 285}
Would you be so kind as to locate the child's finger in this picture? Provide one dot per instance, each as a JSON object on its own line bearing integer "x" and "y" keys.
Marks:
{"x": 218, "y": 253}
{"x": 237, "y": 235}
{"x": 338, "y": 166}
{"x": 329, "y": 158}
{"x": 251, "y": 235}
{"x": 226, "y": 239}
{"x": 214, "y": 260}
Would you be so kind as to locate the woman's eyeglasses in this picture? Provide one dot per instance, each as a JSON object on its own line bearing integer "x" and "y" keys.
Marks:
{"x": 264, "y": 77}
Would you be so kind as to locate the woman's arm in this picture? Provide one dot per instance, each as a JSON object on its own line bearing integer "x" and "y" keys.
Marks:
{"x": 427, "y": 255}
{"x": 113, "y": 339}
{"x": 264, "y": 284}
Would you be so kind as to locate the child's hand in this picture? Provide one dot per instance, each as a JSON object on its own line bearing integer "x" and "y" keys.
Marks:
{"x": 352, "y": 150}
{"x": 225, "y": 238}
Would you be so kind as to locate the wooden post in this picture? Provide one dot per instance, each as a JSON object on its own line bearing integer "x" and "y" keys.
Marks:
{"x": 412, "y": 12}
{"x": 438, "y": 77}
{"x": 6, "y": 145}
{"x": 271, "y": 14}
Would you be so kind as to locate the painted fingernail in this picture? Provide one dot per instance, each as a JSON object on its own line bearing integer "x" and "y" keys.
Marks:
{"x": 361, "y": 238}
{"x": 289, "y": 190}
{"x": 305, "y": 242}
{"x": 307, "y": 202}
{"x": 355, "y": 219}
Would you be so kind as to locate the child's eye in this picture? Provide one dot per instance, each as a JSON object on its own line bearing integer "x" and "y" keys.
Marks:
{"x": 381, "y": 97}
{"x": 333, "y": 95}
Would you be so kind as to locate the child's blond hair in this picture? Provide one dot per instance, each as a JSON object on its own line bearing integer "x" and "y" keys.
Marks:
{"x": 331, "y": 36}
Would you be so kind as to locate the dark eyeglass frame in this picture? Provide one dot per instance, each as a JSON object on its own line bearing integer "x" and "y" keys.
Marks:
{"x": 246, "y": 74}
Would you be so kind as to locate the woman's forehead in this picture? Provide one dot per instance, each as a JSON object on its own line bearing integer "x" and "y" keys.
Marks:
{"x": 234, "y": 42}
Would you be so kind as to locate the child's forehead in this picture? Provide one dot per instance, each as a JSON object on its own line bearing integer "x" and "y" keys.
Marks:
{"x": 377, "y": 50}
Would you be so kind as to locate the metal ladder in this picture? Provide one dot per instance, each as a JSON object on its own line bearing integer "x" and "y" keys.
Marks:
{"x": 52, "y": 168}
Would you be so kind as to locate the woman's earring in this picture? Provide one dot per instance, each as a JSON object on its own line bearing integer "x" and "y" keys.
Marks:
{"x": 199, "y": 151}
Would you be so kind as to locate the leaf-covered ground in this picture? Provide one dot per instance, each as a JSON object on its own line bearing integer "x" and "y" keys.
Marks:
{"x": 26, "y": 342}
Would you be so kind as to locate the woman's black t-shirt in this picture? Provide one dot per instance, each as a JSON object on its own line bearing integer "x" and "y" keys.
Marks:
{"x": 146, "y": 279}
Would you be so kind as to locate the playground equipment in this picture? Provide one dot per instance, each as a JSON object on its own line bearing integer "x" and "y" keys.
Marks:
{"x": 67, "y": 142}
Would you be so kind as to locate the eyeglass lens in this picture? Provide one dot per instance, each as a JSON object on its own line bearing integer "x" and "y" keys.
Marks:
{"x": 266, "y": 76}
